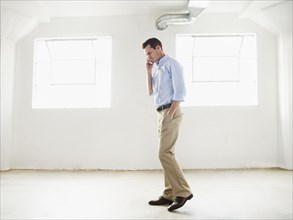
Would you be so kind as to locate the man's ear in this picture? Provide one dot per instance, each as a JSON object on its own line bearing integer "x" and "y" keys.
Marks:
{"x": 158, "y": 47}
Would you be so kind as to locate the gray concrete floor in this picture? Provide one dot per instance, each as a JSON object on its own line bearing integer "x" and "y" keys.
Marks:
{"x": 218, "y": 194}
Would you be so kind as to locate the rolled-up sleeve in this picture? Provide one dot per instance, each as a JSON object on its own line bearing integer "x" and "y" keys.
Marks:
{"x": 178, "y": 82}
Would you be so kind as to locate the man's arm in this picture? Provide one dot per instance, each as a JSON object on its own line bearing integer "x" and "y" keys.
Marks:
{"x": 149, "y": 67}
{"x": 178, "y": 86}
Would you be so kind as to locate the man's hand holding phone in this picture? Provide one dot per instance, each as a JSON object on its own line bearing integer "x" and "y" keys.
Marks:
{"x": 149, "y": 66}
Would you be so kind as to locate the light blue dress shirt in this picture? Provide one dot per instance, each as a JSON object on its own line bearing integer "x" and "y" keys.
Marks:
{"x": 168, "y": 81}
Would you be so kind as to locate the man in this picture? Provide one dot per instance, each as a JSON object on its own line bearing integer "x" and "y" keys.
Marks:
{"x": 166, "y": 84}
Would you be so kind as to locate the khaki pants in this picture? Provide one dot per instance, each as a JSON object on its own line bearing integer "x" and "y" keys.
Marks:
{"x": 168, "y": 129}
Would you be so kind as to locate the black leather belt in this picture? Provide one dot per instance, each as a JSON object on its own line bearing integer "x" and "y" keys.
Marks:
{"x": 164, "y": 107}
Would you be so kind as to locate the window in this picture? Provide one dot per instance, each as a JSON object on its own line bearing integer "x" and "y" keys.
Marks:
{"x": 219, "y": 69}
{"x": 72, "y": 73}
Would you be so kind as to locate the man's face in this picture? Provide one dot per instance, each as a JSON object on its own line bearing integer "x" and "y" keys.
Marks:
{"x": 152, "y": 54}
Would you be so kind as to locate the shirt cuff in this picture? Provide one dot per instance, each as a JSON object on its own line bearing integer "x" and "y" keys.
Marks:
{"x": 178, "y": 97}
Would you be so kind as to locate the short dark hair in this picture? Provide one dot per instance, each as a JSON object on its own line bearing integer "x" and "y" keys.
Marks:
{"x": 153, "y": 42}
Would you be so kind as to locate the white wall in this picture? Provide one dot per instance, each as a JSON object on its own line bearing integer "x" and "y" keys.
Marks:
{"x": 7, "y": 88}
{"x": 285, "y": 100}
{"x": 14, "y": 26}
{"x": 124, "y": 136}
{"x": 278, "y": 20}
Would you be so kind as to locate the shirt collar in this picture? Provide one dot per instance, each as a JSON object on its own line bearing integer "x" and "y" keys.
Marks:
{"x": 162, "y": 60}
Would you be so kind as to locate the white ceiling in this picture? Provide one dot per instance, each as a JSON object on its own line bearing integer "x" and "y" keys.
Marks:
{"x": 20, "y": 17}
{"x": 67, "y": 8}
{"x": 45, "y": 9}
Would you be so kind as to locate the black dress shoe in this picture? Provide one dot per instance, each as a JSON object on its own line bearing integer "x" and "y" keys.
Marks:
{"x": 161, "y": 201}
{"x": 179, "y": 202}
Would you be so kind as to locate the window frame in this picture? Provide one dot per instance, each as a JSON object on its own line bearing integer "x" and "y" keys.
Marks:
{"x": 198, "y": 85}
{"x": 91, "y": 88}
